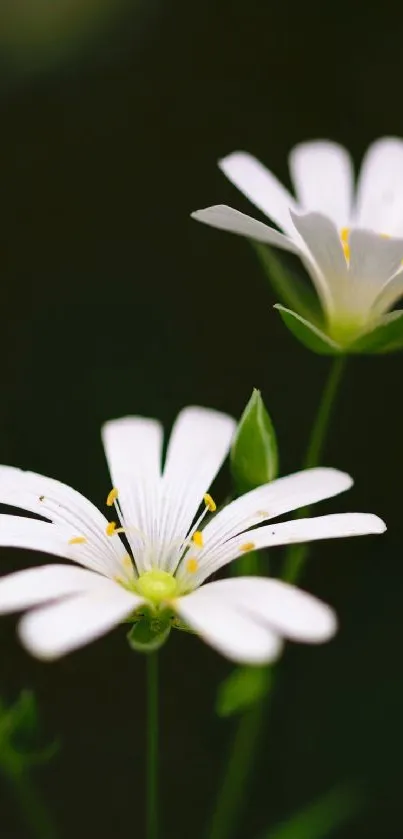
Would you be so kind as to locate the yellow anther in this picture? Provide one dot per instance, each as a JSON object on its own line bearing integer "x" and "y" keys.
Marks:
{"x": 126, "y": 561}
{"x": 384, "y": 235}
{"x": 344, "y": 234}
{"x": 197, "y": 538}
{"x": 247, "y": 546}
{"x": 77, "y": 540}
{"x": 112, "y": 497}
{"x": 263, "y": 514}
{"x": 192, "y": 565}
{"x": 110, "y": 528}
{"x": 209, "y": 502}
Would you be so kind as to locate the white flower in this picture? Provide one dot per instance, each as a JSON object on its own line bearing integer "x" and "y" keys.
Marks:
{"x": 170, "y": 556}
{"x": 351, "y": 242}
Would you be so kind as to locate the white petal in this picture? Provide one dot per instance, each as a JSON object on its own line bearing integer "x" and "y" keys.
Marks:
{"x": 274, "y": 499}
{"x": 336, "y": 526}
{"x": 133, "y": 449}
{"x": 64, "y": 506}
{"x": 234, "y": 633}
{"x": 323, "y": 177}
{"x": 380, "y": 188}
{"x": 199, "y": 443}
{"x": 323, "y": 241}
{"x": 373, "y": 261}
{"x": 225, "y": 218}
{"x": 34, "y": 586}
{"x": 261, "y": 187}
{"x": 41, "y": 536}
{"x": 389, "y": 294}
{"x": 55, "y": 630}
{"x": 287, "y": 610}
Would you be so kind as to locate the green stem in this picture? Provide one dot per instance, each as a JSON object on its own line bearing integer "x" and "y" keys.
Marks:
{"x": 245, "y": 745}
{"x": 234, "y": 790}
{"x": 152, "y": 746}
{"x": 297, "y": 554}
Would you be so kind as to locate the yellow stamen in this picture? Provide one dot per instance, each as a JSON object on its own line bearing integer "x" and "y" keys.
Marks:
{"x": 263, "y": 513}
{"x": 112, "y": 497}
{"x": 77, "y": 540}
{"x": 247, "y": 546}
{"x": 110, "y": 528}
{"x": 197, "y": 538}
{"x": 209, "y": 502}
{"x": 126, "y": 561}
{"x": 192, "y": 565}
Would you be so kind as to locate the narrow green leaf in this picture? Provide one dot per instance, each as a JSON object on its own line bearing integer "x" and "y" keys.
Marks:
{"x": 320, "y": 819}
{"x": 308, "y": 334}
{"x": 242, "y": 688}
{"x": 387, "y": 336}
{"x": 295, "y": 293}
{"x": 149, "y": 632}
{"x": 254, "y": 455}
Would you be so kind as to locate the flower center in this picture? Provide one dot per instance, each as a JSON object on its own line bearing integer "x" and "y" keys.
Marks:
{"x": 156, "y": 585}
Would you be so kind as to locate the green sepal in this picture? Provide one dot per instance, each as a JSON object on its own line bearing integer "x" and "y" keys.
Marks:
{"x": 385, "y": 337}
{"x": 321, "y": 818}
{"x": 295, "y": 293}
{"x": 241, "y": 689}
{"x": 308, "y": 334}
{"x": 150, "y": 630}
{"x": 254, "y": 453}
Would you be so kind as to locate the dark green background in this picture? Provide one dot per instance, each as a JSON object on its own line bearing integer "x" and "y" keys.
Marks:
{"x": 114, "y": 302}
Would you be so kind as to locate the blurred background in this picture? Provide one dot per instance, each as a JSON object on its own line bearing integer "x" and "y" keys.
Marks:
{"x": 113, "y": 301}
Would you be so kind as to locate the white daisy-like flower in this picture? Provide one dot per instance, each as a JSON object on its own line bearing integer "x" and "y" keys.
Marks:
{"x": 350, "y": 241}
{"x": 156, "y": 554}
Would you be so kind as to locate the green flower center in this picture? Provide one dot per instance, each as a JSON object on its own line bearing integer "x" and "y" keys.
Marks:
{"x": 156, "y": 585}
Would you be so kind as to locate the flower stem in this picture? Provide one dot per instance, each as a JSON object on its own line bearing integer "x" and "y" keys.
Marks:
{"x": 242, "y": 756}
{"x": 152, "y": 746}
{"x": 297, "y": 554}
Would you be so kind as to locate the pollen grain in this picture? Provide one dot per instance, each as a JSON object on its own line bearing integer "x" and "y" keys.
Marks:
{"x": 247, "y": 546}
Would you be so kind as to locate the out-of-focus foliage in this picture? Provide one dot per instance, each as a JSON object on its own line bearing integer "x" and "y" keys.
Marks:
{"x": 36, "y": 33}
{"x": 320, "y": 819}
{"x": 243, "y": 688}
{"x": 19, "y": 749}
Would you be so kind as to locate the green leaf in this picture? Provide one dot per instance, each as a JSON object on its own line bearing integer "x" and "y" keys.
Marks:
{"x": 243, "y": 688}
{"x": 295, "y": 293}
{"x": 254, "y": 456}
{"x": 149, "y": 632}
{"x": 308, "y": 334}
{"x": 320, "y": 819}
{"x": 387, "y": 336}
